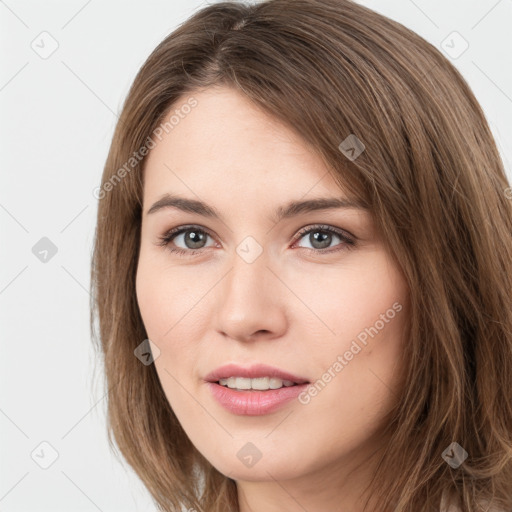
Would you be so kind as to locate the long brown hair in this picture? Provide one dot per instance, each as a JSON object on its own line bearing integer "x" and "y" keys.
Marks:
{"x": 435, "y": 184}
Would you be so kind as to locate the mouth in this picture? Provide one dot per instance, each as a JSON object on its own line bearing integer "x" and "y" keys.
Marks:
{"x": 255, "y": 390}
{"x": 256, "y": 384}
{"x": 259, "y": 377}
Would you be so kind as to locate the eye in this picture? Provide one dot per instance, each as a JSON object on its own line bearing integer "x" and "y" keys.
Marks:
{"x": 321, "y": 237}
{"x": 193, "y": 238}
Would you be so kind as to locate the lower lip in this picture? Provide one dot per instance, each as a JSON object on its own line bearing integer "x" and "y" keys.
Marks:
{"x": 252, "y": 402}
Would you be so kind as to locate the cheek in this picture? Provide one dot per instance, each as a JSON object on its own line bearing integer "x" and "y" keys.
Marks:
{"x": 161, "y": 309}
{"x": 364, "y": 299}
{"x": 165, "y": 296}
{"x": 363, "y": 310}
{"x": 150, "y": 300}
{"x": 174, "y": 317}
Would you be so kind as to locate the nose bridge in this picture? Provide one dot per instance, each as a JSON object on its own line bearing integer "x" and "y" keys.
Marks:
{"x": 249, "y": 273}
{"x": 248, "y": 302}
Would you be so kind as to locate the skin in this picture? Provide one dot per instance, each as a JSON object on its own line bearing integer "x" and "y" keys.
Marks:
{"x": 296, "y": 306}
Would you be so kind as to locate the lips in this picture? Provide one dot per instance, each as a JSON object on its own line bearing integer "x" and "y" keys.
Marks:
{"x": 254, "y": 402}
{"x": 253, "y": 372}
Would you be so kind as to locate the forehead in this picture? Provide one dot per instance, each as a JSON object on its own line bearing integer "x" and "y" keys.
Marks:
{"x": 226, "y": 145}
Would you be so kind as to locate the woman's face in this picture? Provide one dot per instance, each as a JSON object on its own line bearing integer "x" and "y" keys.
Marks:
{"x": 257, "y": 282}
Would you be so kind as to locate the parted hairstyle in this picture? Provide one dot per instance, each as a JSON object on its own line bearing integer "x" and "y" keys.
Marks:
{"x": 437, "y": 190}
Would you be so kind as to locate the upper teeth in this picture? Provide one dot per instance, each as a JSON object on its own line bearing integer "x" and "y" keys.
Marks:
{"x": 261, "y": 383}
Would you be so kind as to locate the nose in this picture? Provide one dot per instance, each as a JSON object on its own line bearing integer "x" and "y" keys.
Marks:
{"x": 250, "y": 302}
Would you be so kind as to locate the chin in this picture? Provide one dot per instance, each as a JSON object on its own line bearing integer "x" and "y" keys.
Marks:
{"x": 264, "y": 470}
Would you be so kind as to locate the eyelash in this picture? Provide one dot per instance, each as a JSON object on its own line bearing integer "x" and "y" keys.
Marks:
{"x": 347, "y": 242}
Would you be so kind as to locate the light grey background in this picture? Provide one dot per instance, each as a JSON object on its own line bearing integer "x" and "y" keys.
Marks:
{"x": 58, "y": 114}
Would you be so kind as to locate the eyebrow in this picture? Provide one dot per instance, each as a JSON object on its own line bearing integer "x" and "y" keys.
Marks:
{"x": 287, "y": 211}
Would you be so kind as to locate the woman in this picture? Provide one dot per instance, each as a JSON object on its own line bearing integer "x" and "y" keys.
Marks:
{"x": 302, "y": 270}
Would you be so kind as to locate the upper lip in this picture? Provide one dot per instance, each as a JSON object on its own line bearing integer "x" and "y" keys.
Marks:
{"x": 252, "y": 372}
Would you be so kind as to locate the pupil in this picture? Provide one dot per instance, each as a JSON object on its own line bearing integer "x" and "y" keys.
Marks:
{"x": 325, "y": 239}
{"x": 195, "y": 238}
